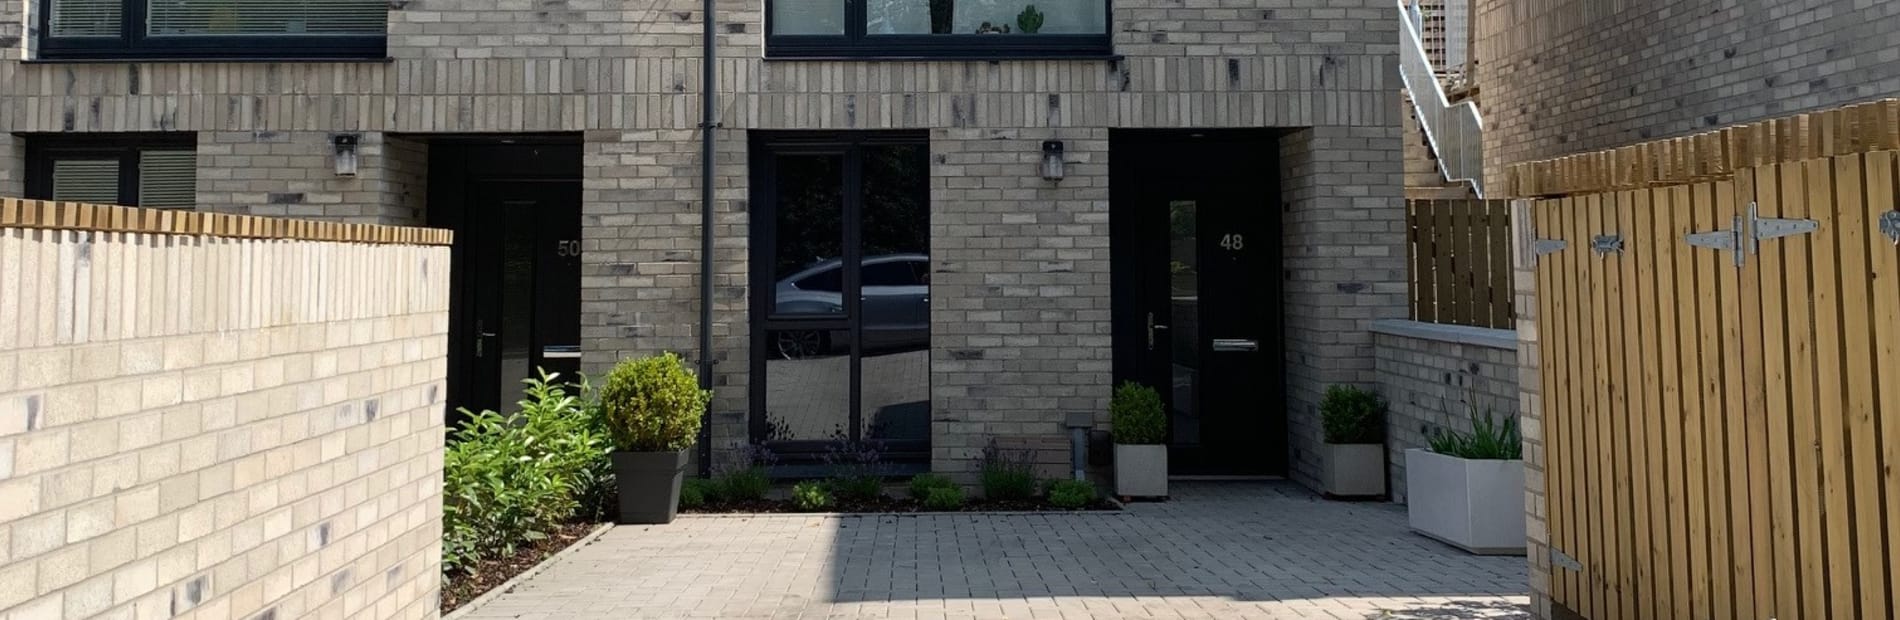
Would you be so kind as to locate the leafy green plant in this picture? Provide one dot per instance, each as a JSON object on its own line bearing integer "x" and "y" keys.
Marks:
{"x": 1007, "y": 475}
{"x": 811, "y": 495}
{"x": 1351, "y": 415}
{"x": 653, "y": 404}
{"x": 743, "y": 485}
{"x": 1070, "y": 494}
{"x": 1489, "y": 439}
{"x": 1136, "y": 413}
{"x": 858, "y": 469}
{"x": 921, "y": 485}
{"x": 1030, "y": 20}
{"x": 509, "y": 481}
{"x": 944, "y": 499}
{"x": 697, "y": 492}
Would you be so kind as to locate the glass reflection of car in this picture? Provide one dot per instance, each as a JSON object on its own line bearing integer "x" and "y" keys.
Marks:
{"x": 896, "y": 306}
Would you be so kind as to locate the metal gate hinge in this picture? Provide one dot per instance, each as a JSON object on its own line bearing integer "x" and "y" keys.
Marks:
{"x": 1607, "y": 244}
{"x": 1890, "y": 225}
{"x": 1563, "y": 560}
{"x": 1541, "y": 247}
{"x": 1744, "y": 235}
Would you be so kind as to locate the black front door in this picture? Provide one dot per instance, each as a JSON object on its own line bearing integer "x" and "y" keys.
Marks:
{"x": 516, "y": 211}
{"x": 1196, "y": 262}
{"x": 840, "y": 296}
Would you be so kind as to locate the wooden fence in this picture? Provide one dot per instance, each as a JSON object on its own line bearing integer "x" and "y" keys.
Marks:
{"x": 1460, "y": 260}
{"x": 1722, "y": 417}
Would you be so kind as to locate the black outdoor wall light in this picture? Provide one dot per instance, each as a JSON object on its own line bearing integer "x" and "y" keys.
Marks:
{"x": 345, "y": 145}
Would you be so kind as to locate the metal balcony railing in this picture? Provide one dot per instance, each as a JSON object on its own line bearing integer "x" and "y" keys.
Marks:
{"x": 1454, "y": 131}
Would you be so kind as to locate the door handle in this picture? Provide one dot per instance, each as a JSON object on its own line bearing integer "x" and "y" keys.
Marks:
{"x": 1236, "y": 344}
{"x": 1151, "y": 330}
{"x": 481, "y": 337}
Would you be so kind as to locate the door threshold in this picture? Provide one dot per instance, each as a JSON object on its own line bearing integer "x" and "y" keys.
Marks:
{"x": 1220, "y": 478}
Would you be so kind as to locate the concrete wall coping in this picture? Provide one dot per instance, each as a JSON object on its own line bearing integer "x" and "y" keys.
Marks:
{"x": 1457, "y": 334}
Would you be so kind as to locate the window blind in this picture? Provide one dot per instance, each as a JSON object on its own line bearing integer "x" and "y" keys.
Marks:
{"x": 84, "y": 18}
{"x": 168, "y": 179}
{"x": 265, "y": 17}
{"x": 93, "y": 181}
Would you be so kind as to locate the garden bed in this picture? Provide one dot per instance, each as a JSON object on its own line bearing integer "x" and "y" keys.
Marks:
{"x": 460, "y": 587}
{"x": 895, "y": 505}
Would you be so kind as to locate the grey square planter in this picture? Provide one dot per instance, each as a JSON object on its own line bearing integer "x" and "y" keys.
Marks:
{"x": 1352, "y": 469}
{"x": 1141, "y": 470}
{"x": 1475, "y": 505}
{"x": 649, "y": 485}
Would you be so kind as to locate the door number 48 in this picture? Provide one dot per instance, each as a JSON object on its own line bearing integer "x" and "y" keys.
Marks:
{"x": 1233, "y": 242}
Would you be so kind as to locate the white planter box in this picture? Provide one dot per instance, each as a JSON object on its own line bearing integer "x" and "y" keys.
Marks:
{"x": 1475, "y": 505}
{"x": 1352, "y": 469}
{"x": 1141, "y": 470}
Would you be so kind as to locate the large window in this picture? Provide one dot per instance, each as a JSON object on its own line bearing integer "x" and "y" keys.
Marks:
{"x": 841, "y": 294}
{"x": 144, "y": 170}
{"x": 937, "y": 28}
{"x": 214, "y": 28}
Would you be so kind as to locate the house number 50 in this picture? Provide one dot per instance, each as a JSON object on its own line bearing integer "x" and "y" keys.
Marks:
{"x": 1233, "y": 242}
{"x": 571, "y": 247}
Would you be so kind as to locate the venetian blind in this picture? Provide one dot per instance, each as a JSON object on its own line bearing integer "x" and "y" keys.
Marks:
{"x": 168, "y": 179}
{"x": 93, "y": 181}
{"x": 266, "y": 17}
{"x": 84, "y": 18}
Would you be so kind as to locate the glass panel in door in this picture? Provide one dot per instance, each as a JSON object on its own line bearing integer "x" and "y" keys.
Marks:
{"x": 1184, "y": 312}
{"x": 894, "y": 302}
{"x": 808, "y": 363}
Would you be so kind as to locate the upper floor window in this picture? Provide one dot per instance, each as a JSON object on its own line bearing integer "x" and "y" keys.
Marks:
{"x": 159, "y": 29}
{"x": 141, "y": 170}
{"x": 937, "y": 28}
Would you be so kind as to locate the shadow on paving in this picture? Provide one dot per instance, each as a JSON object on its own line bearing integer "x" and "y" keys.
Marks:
{"x": 1271, "y": 541}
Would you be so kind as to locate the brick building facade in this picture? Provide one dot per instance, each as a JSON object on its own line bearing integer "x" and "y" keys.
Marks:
{"x": 1021, "y": 304}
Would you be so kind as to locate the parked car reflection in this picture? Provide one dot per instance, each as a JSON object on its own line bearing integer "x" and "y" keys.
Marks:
{"x": 894, "y": 314}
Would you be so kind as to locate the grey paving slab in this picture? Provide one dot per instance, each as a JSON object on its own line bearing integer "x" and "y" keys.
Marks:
{"x": 1217, "y": 550}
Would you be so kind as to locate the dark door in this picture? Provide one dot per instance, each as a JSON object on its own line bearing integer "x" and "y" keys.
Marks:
{"x": 841, "y": 296}
{"x": 516, "y": 211}
{"x": 1197, "y": 283}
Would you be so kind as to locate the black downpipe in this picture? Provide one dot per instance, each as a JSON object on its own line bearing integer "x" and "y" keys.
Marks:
{"x": 707, "y": 125}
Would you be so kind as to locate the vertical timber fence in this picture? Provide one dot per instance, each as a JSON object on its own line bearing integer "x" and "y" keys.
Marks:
{"x": 1721, "y": 325}
{"x": 1460, "y": 259}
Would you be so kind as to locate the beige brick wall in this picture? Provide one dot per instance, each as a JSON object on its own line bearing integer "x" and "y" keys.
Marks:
{"x": 219, "y": 428}
{"x": 1530, "y": 384}
{"x": 626, "y": 77}
{"x": 1569, "y": 76}
{"x": 1430, "y": 383}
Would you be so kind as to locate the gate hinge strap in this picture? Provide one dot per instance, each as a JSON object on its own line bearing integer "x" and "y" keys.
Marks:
{"x": 1541, "y": 247}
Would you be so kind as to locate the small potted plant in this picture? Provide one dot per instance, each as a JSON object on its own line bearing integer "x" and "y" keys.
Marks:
{"x": 653, "y": 406}
{"x": 1467, "y": 490}
{"x": 1352, "y": 462}
{"x": 1140, "y": 435}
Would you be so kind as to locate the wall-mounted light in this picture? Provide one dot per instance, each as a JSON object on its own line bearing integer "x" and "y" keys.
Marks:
{"x": 345, "y": 145}
{"x": 1052, "y": 160}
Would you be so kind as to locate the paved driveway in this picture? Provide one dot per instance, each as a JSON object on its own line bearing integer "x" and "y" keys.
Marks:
{"x": 1217, "y": 550}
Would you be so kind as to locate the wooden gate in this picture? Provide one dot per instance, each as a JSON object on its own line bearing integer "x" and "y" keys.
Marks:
{"x": 1722, "y": 416}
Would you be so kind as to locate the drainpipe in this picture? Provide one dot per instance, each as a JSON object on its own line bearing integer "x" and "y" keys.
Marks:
{"x": 707, "y": 124}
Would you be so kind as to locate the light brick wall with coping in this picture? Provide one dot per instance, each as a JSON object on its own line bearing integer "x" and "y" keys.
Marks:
{"x": 1432, "y": 375}
{"x": 218, "y": 427}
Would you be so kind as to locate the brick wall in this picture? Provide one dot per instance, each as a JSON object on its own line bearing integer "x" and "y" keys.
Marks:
{"x": 219, "y": 428}
{"x": 1431, "y": 376}
{"x": 1344, "y": 261}
{"x": 1530, "y": 384}
{"x": 1568, "y": 76}
{"x": 627, "y": 80}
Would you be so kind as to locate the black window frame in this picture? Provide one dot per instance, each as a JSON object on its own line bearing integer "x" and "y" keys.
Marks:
{"x": 42, "y": 149}
{"x": 856, "y": 43}
{"x": 133, "y": 44}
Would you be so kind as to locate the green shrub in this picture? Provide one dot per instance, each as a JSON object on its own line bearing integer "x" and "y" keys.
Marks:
{"x": 1136, "y": 415}
{"x": 509, "y": 481}
{"x": 1070, "y": 494}
{"x": 1351, "y": 415}
{"x": 921, "y": 485}
{"x": 743, "y": 485}
{"x": 858, "y": 469}
{"x": 653, "y": 404}
{"x": 810, "y": 496}
{"x": 944, "y": 499}
{"x": 697, "y": 492}
{"x": 857, "y": 488}
{"x": 1007, "y": 475}
{"x": 1488, "y": 440}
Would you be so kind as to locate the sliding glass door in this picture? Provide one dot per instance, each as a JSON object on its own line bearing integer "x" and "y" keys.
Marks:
{"x": 841, "y": 295}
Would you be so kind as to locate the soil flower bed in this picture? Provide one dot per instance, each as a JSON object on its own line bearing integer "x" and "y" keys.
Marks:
{"x": 894, "y": 505}
{"x": 461, "y": 586}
